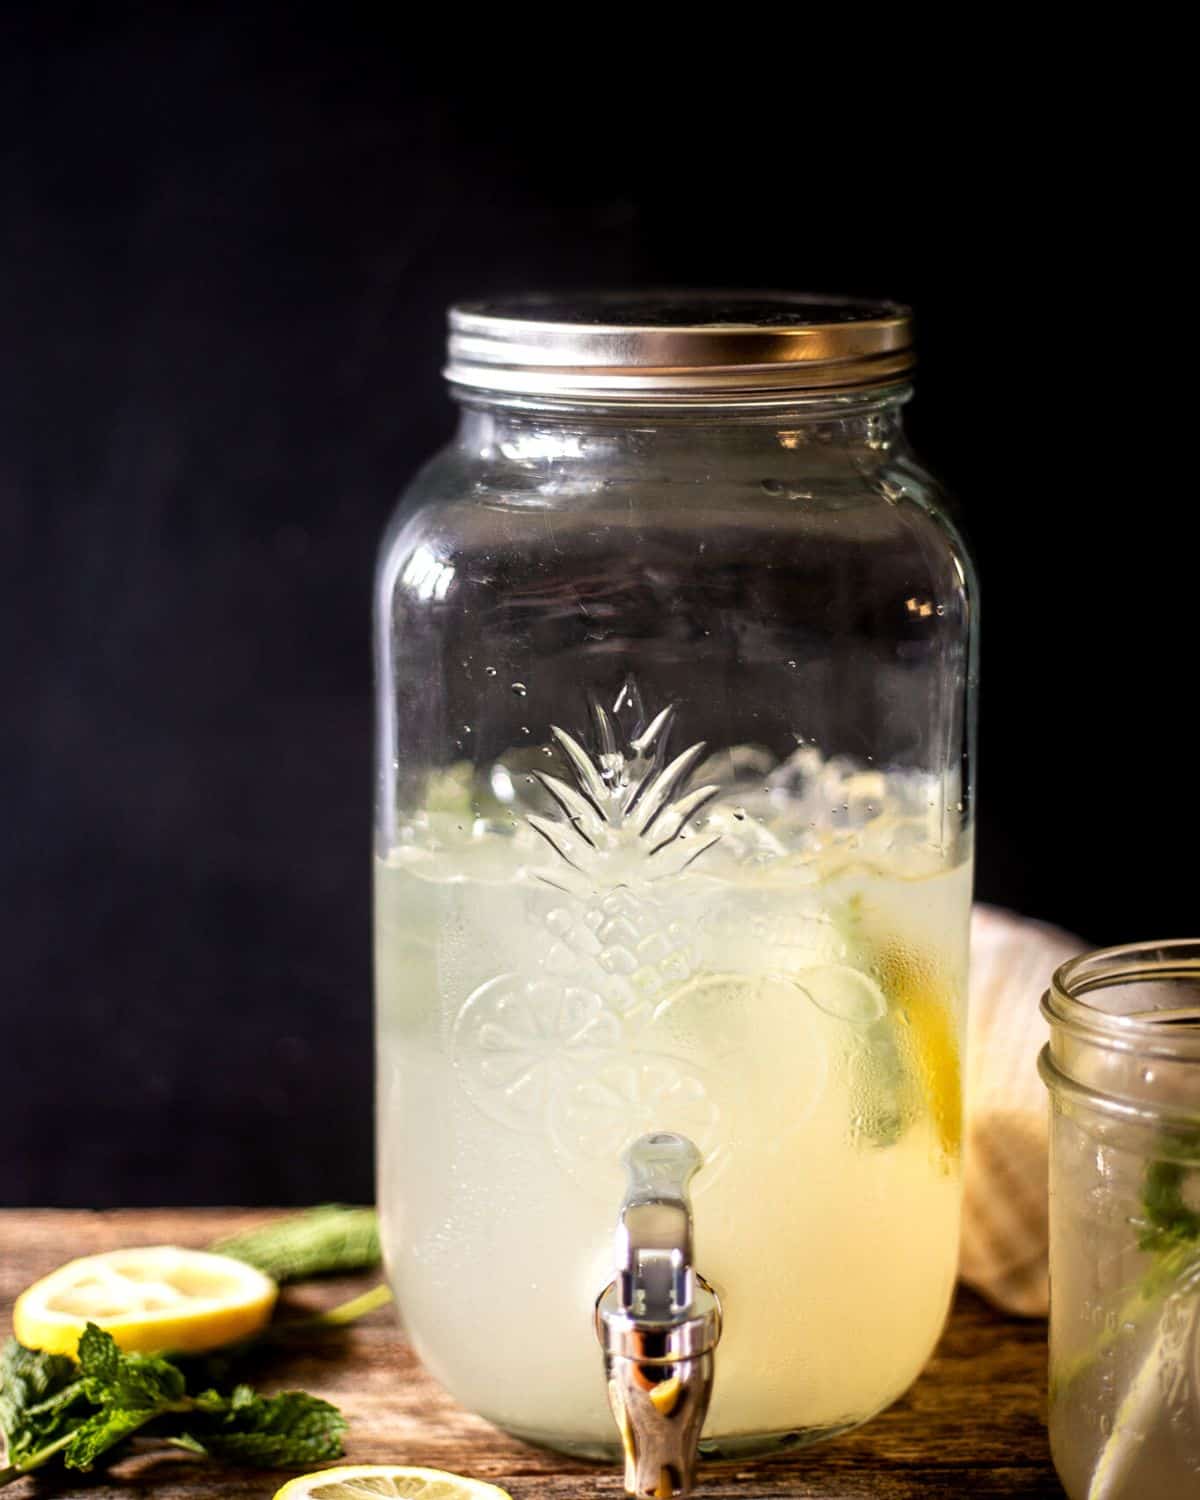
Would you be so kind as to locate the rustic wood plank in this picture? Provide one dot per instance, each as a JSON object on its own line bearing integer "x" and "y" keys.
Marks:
{"x": 972, "y": 1425}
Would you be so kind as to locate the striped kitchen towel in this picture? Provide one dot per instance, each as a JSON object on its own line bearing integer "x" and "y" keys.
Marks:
{"x": 1004, "y": 1237}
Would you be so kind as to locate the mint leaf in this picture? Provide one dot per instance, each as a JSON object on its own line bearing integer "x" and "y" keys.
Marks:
{"x": 37, "y": 1394}
{"x": 325, "y": 1241}
{"x": 98, "y": 1354}
{"x": 268, "y": 1432}
{"x": 144, "y": 1380}
{"x": 103, "y": 1431}
{"x": 129, "y": 1390}
{"x": 1170, "y": 1220}
{"x": 135, "y": 1381}
{"x": 189, "y": 1445}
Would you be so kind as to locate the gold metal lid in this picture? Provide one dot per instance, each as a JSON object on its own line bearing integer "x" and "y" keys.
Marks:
{"x": 677, "y": 346}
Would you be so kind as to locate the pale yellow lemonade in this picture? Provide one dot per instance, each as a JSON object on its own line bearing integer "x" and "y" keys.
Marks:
{"x": 785, "y": 989}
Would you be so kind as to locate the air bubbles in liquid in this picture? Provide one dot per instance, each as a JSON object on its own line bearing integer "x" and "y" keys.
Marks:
{"x": 489, "y": 671}
{"x": 520, "y": 689}
{"x": 740, "y": 814}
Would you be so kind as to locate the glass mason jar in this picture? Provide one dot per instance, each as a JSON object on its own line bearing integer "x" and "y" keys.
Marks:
{"x": 676, "y": 656}
{"x": 1123, "y": 1069}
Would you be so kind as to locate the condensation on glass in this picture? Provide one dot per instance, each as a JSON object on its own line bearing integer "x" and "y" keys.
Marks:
{"x": 675, "y": 648}
{"x": 1123, "y": 1069}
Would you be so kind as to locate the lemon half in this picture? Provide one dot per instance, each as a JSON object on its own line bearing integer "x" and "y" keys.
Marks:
{"x": 393, "y": 1482}
{"x": 152, "y": 1299}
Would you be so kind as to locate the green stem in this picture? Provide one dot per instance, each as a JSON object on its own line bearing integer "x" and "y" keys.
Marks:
{"x": 356, "y": 1307}
{"x": 1142, "y": 1302}
{"x": 339, "y": 1316}
{"x": 35, "y": 1460}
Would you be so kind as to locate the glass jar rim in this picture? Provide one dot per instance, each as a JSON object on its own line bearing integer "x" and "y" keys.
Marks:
{"x": 777, "y": 408}
{"x": 1064, "y": 1004}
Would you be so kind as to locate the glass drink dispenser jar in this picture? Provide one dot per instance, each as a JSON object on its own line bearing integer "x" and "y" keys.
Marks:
{"x": 676, "y": 656}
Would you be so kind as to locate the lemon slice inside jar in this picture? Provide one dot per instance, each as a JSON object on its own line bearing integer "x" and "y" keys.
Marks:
{"x": 926, "y": 1033}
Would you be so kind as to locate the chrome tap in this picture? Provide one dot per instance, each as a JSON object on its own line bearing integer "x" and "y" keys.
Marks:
{"x": 658, "y": 1322}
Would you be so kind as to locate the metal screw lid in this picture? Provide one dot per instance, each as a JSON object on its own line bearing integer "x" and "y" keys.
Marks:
{"x": 677, "y": 346}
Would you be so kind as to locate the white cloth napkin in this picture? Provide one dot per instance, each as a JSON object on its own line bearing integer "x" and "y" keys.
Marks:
{"x": 1003, "y": 1252}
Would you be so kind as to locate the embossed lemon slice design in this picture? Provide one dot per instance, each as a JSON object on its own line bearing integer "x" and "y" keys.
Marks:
{"x": 517, "y": 1039}
{"x": 592, "y": 1122}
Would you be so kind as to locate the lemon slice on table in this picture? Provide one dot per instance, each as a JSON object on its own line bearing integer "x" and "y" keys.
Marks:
{"x": 392, "y": 1482}
{"x": 152, "y": 1299}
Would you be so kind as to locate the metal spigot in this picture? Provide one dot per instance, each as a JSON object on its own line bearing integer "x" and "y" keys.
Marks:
{"x": 658, "y": 1322}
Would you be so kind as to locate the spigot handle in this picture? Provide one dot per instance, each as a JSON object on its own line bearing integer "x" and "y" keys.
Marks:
{"x": 658, "y": 1321}
{"x": 654, "y": 1230}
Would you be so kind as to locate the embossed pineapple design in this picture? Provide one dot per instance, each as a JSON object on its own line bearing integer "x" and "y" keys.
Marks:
{"x": 629, "y": 823}
{"x": 570, "y": 1048}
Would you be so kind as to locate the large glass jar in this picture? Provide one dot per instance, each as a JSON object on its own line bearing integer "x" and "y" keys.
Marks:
{"x": 1123, "y": 1068}
{"x": 676, "y": 651}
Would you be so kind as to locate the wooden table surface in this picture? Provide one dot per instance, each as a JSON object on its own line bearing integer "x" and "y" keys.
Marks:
{"x": 972, "y": 1426}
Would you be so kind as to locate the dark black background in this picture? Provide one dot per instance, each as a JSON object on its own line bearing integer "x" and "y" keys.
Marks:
{"x": 226, "y": 245}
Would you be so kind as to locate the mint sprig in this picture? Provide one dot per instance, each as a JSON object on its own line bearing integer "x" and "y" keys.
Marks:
{"x": 1168, "y": 1228}
{"x": 52, "y": 1409}
{"x": 1170, "y": 1220}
